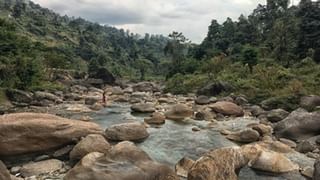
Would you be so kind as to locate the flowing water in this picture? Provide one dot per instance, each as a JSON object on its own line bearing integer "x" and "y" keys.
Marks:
{"x": 172, "y": 141}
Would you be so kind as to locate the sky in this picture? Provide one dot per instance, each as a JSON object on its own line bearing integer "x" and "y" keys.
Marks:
{"x": 192, "y": 17}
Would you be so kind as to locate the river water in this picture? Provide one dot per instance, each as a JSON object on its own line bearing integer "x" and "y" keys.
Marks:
{"x": 172, "y": 141}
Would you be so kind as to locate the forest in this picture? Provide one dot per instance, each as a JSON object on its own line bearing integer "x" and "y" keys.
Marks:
{"x": 272, "y": 54}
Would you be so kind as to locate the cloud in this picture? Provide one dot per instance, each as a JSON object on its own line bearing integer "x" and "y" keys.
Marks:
{"x": 192, "y": 17}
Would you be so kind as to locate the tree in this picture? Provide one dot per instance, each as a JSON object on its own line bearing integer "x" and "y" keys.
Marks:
{"x": 214, "y": 66}
{"x": 249, "y": 57}
{"x": 143, "y": 65}
{"x": 176, "y": 48}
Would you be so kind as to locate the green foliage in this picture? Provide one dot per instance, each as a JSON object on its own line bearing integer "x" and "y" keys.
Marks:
{"x": 249, "y": 57}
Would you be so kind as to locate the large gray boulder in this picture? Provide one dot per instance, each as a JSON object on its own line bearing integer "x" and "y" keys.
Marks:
{"x": 227, "y": 108}
{"x": 179, "y": 112}
{"x": 310, "y": 102}
{"x": 215, "y": 89}
{"x": 24, "y": 133}
{"x": 125, "y": 161}
{"x": 277, "y": 115}
{"x": 299, "y": 125}
{"x": 316, "y": 173}
{"x": 143, "y": 108}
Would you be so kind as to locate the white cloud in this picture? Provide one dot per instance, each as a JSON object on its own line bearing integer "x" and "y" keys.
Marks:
{"x": 192, "y": 17}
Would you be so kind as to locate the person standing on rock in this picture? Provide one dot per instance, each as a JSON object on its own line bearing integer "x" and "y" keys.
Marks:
{"x": 104, "y": 98}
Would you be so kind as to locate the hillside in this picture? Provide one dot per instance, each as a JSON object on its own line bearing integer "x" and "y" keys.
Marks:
{"x": 56, "y": 41}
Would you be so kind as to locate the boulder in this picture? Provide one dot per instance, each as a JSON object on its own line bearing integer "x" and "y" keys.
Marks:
{"x": 273, "y": 162}
{"x": 244, "y": 136}
{"x": 299, "y": 125}
{"x": 227, "y": 108}
{"x": 23, "y": 133}
{"x": 156, "y": 118}
{"x": 4, "y": 173}
{"x": 73, "y": 97}
{"x": 91, "y": 100}
{"x": 222, "y": 164}
{"x": 183, "y": 166}
{"x": 241, "y": 100}
{"x": 179, "y": 112}
{"x": 277, "y": 115}
{"x": 143, "y": 108}
{"x": 306, "y": 146}
{"x": 316, "y": 173}
{"x": 19, "y": 96}
{"x": 215, "y": 89}
{"x": 132, "y": 131}
{"x": 256, "y": 110}
{"x": 310, "y": 102}
{"x": 145, "y": 87}
{"x": 91, "y": 143}
{"x": 204, "y": 115}
{"x": 288, "y": 142}
{"x": 78, "y": 108}
{"x": 202, "y": 100}
{"x": 262, "y": 129}
{"x": 40, "y": 96}
{"x": 41, "y": 167}
{"x": 125, "y": 161}
{"x": 104, "y": 75}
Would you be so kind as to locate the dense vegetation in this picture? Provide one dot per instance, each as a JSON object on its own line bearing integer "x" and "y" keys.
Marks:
{"x": 274, "y": 52}
{"x": 34, "y": 39}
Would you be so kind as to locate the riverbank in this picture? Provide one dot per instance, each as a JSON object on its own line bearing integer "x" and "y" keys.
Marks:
{"x": 198, "y": 130}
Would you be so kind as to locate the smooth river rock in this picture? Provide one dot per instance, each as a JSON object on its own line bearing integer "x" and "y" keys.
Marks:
{"x": 91, "y": 143}
{"x": 299, "y": 125}
{"x": 23, "y": 133}
{"x": 4, "y": 173}
{"x": 132, "y": 131}
{"x": 41, "y": 167}
{"x": 227, "y": 108}
{"x": 179, "y": 112}
{"x": 125, "y": 161}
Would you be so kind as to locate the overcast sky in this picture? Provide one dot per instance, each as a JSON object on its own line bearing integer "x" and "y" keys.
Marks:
{"x": 192, "y": 17}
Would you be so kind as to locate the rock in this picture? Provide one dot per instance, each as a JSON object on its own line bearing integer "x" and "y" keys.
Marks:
{"x": 91, "y": 100}
{"x": 196, "y": 129}
{"x": 222, "y": 164}
{"x": 179, "y": 112}
{"x": 166, "y": 100}
{"x": 256, "y": 110}
{"x": 73, "y": 97}
{"x": 156, "y": 118}
{"x": 124, "y": 161}
{"x": 299, "y": 125}
{"x": 244, "y": 136}
{"x": 273, "y": 162}
{"x": 310, "y": 102}
{"x": 307, "y": 172}
{"x": 42, "y": 167}
{"x": 227, "y": 108}
{"x": 183, "y": 166}
{"x": 104, "y": 75}
{"x": 128, "y": 90}
{"x": 313, "y": 155}
{"x": 4, "y": 173}
{"x": 91, "y": 143}
{"x": 202, "y": 100}
{"x": 143, "y": 108}
{"x": 262, "y": 129}
{"x": 23, "y": 133}
{"x": 241, "y": 100}
{"x": 15, "y": 170}
{"x": 275, "y": 146}
{"x": 19, "y": 96}
{"x": 97, "y": 107}
{"x": 316, "y": 173}
{"x": 204, "y": 115}
{"x": 288, "y": 142}
{"x": 41, "y": 158}
{"x": 40, "y": 96}
{"x": 78, "y": 108}
{"x": 78, "y": 89}
{"x": 127, "y": 132}
{"x": 277, "y": 115}
{"x": 117, "y": 91}
{"x": 305, "y": 147}
{"x": 63, "y": 152}
{"x": 145, "y": 87}
{"x": 215, "y": 89}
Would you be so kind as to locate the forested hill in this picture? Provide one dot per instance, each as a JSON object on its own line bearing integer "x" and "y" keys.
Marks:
{"x": 32, "y": 36}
